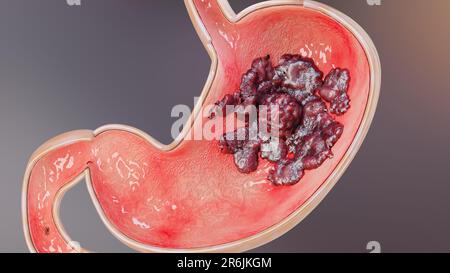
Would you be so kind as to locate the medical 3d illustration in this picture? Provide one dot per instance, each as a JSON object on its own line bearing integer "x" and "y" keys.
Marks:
{"x": 317, "y": 65}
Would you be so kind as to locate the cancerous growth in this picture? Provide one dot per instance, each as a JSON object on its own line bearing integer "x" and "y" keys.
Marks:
{"x": 306, "y": 103}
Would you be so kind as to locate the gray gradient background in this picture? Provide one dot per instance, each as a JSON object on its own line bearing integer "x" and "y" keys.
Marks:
{"x": 112, "y": 61}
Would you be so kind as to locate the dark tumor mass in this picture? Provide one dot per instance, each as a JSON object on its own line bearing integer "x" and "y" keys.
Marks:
{"x": 306, "y": 131}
